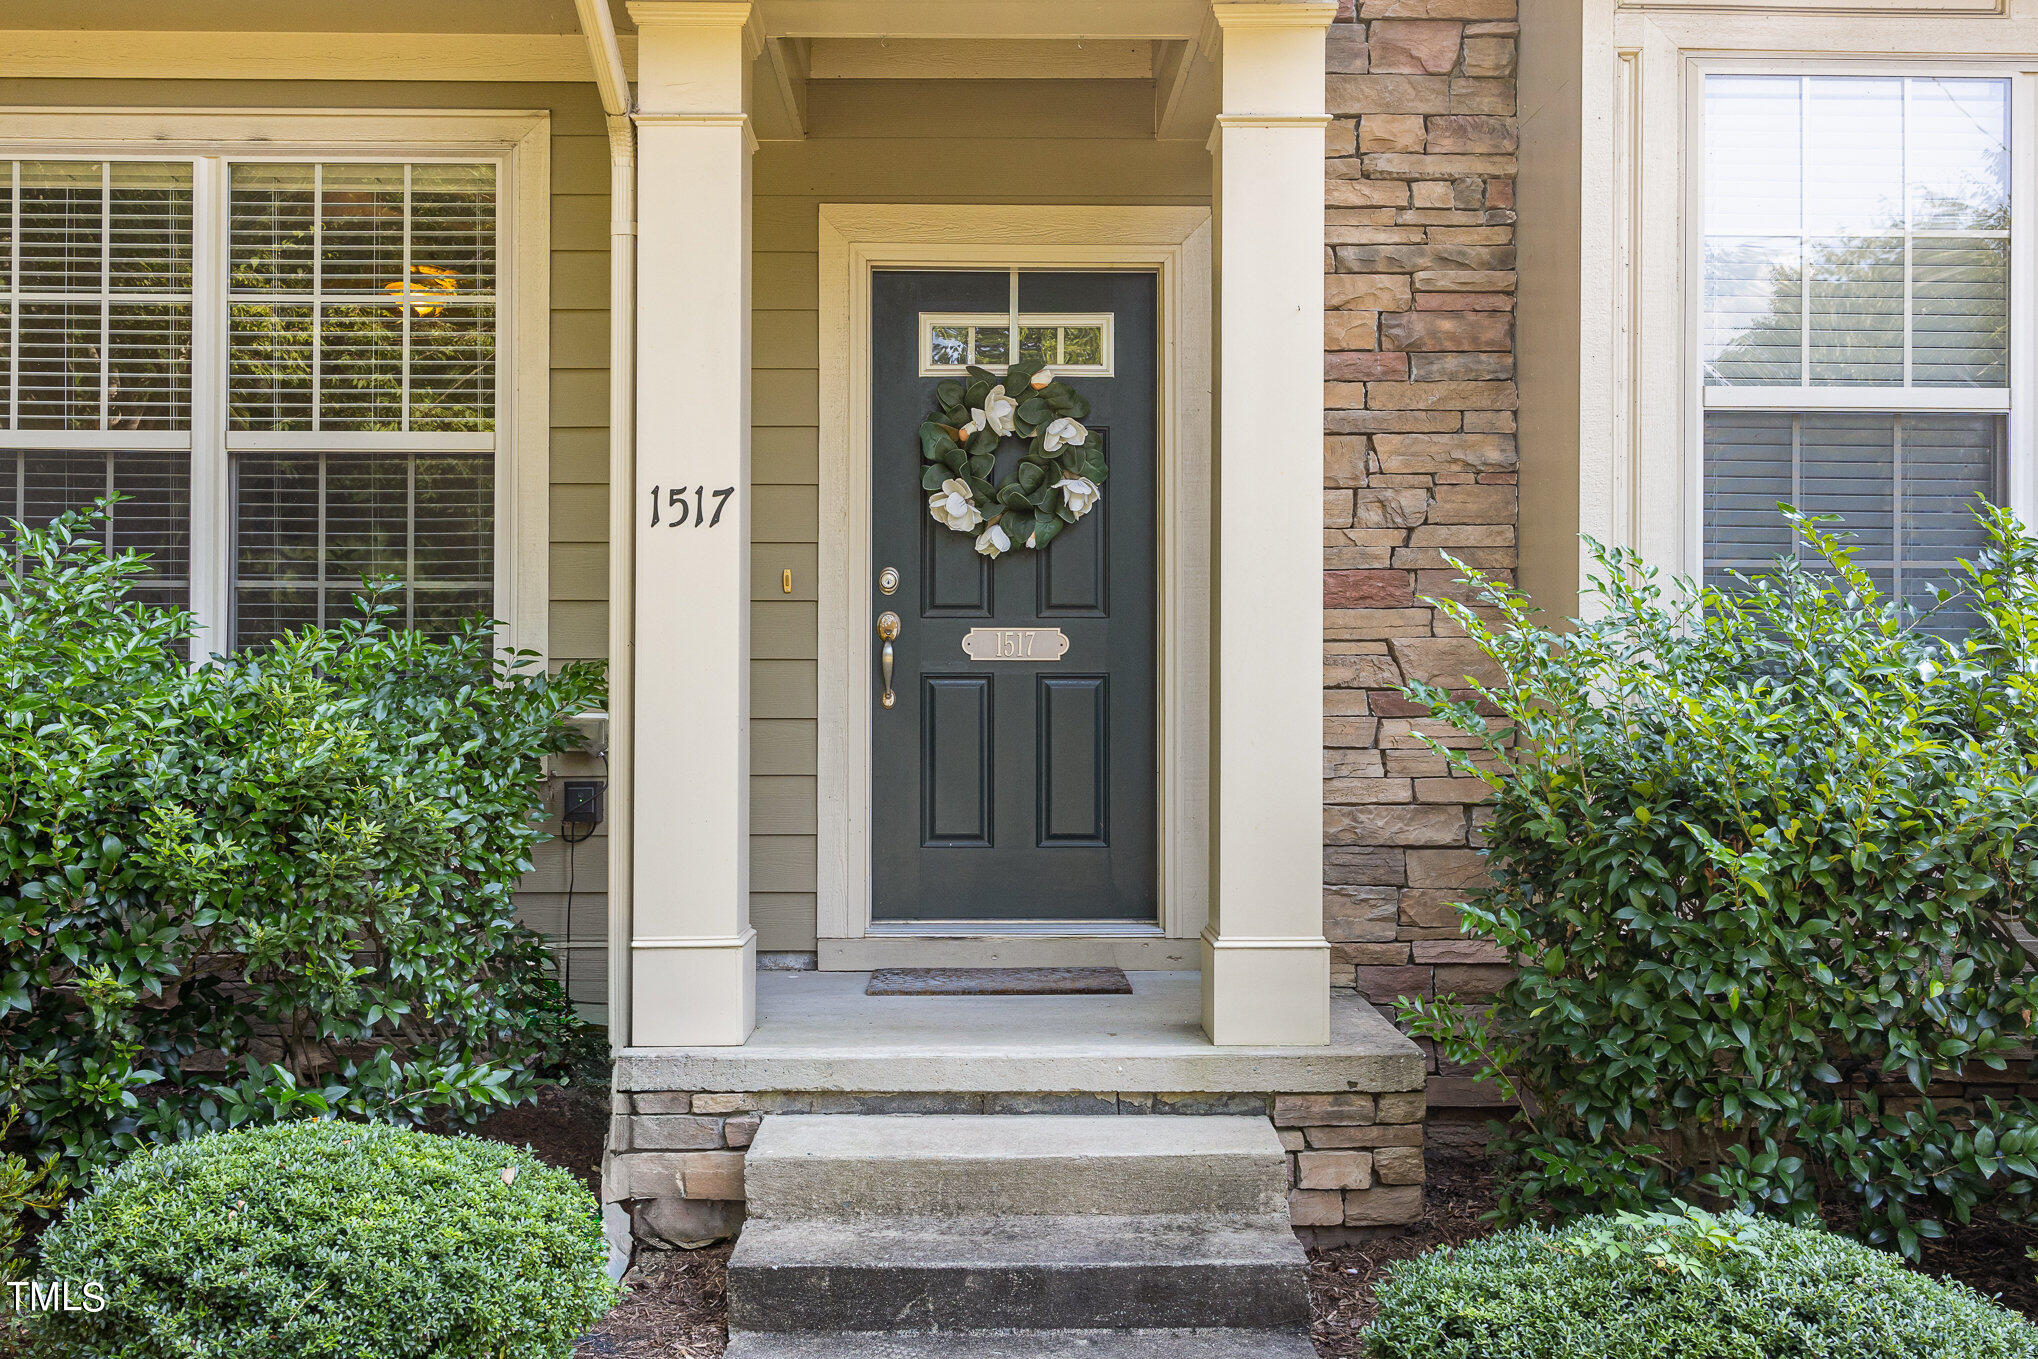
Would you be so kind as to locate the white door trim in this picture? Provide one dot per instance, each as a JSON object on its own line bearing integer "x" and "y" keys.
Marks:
{"x": 1173, "y": 243}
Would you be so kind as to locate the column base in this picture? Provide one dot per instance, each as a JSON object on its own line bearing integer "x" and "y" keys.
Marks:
{"x": 688, "y": 993}
{"x": 1266, "y": 992}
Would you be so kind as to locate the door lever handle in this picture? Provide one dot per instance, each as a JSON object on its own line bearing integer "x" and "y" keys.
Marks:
{"x": 888, "y": 632}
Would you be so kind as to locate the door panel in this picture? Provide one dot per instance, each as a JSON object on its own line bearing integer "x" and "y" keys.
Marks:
{"x": 1015, "y": 789}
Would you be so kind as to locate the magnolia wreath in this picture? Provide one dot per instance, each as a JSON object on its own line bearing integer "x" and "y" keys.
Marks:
{"x": 1057, "y": 482}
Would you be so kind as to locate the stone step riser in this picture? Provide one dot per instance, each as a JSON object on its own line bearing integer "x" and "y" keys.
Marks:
{"x": 1060, "y": 1344}
{"x": 978, "y": 1297}
{"x": 1020, "y": 1166}
{"x": 1241, "y": 1187}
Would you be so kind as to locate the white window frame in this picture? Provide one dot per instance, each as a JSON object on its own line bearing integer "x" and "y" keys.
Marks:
{"x": 516, "y": 141}
{"x": 2016, "y": 403}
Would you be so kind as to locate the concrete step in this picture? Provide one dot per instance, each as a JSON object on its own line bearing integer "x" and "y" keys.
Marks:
{"x": 1147, "y": 1344}
{"x": 1017, "y": 1273}
{"x": 804, "y": 1166}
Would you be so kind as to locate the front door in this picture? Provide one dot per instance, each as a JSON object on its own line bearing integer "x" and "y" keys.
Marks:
{"x": 1013, "y": 776}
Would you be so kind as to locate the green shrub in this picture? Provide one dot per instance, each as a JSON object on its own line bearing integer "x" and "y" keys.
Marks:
{"x": 1676, "y": 1286}
{"x": 337, "y": 1240}
{"x": 278, "y": 884}
{"x": 25, "y": 1188}
{"x": 1754, "y": 856}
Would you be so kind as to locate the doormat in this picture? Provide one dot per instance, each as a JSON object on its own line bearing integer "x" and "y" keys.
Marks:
{"x": 998, "y": 981}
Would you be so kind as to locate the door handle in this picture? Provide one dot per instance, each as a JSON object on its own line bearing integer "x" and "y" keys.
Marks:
{"x": 888, "y": 632}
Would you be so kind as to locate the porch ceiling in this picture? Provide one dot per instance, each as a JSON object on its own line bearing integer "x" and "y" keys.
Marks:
{"x": 1169, "y": 45}
{"x": 818, "y": 1031}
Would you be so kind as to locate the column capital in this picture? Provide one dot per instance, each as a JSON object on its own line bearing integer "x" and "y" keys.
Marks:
{"x": 708, "y": 13}
{"x": 1237, "y": 14}
{"x": 1270, "y": 61}
{"x": 694, "y": 56}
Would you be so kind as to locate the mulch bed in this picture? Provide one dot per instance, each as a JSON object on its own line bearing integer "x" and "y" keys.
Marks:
{"x": 674, "y": 1306}
{"x": 565, "y": 1127}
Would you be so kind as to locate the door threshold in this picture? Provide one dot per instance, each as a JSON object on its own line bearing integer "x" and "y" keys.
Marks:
{"x": 1007, "y": 929}
{"x": 1138, "y": 947}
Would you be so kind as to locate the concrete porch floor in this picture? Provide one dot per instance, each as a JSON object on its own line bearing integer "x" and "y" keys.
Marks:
{"x": 819, "y": 1031}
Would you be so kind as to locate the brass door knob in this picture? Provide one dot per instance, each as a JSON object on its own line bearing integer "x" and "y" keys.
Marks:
{"x": 888, "y": 632}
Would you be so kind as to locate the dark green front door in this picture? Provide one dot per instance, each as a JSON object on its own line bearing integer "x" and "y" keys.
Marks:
{"x": 1020, "y": 790}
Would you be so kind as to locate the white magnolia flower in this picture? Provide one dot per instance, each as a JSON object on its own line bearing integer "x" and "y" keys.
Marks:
{"x": 997, "y": 411}
{"x": 1080, "y": 494}
{"x": 1064, "y": 433}
{"x": 976, "y": 422}
{"x": 953, "y": 507}
{"x": 994, "y": 542}
{"x": 1042, "y": 378}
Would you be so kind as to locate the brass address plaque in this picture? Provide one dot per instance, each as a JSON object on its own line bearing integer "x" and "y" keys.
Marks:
{"x": 1015, "y": 644}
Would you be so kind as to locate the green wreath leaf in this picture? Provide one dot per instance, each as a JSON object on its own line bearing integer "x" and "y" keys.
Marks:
{"x": 932, "y": 477}
{"x": 935, "y": 440}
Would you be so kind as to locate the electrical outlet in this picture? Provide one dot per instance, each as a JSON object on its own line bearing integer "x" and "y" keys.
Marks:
{"x": 581, "y": 802}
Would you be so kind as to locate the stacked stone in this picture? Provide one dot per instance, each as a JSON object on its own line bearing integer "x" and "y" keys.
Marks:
{"x": 1419, "y": 463}
{"x": 1354, "y": 1160}
{"x": 676, "y": 1158}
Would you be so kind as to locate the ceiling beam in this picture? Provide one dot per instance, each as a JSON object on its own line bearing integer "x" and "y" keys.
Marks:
{"x": 1006, "y": 19}
{"x": 982, "y": 59}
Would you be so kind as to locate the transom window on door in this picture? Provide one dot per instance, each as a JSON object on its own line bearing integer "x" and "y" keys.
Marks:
{"x": 1855, "y": 329}
{"x": 1077, "y": 345}
{"x": 290, "y": 368}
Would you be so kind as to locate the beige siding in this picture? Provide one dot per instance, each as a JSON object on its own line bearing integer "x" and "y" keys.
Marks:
{"x": 579, "y": 391}
{"x": 855, "y": 155}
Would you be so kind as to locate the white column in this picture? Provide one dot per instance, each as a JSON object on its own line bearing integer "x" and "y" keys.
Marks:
{"x": 1266, "y": 966}
{"x": 693, "y": 955}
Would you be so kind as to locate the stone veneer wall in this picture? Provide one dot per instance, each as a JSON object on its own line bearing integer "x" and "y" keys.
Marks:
{"x": 676, "y": 1159}
{"x": 1419, "y": 461}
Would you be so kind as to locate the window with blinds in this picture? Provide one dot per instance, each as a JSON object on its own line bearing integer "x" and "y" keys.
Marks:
{"x": 362, "y": 389}
{"x": 95, "y": 348}
{"x": 350, "y": 325}
{"x": 1855, "y": 322}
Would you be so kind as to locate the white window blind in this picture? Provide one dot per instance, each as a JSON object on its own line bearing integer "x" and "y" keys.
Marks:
{"x": 363, "y": 297}
{"x": 1906, "y": 486}
{"x": 95, "y": 343}
{"x": 1856, "y": 231}
{"x": 1855, "y": 319}
{"x": 362, "y": 327}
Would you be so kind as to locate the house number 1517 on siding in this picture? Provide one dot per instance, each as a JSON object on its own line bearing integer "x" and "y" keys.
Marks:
{"x": 682, "y": 507}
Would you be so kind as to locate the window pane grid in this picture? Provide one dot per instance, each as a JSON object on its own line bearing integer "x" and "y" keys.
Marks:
{"x": 95, "y": 295}
{"x": 311, "y": 526}
{"x": 1856, "y": 232}
{"x": 154, "y": 517}
{"x": 362, "y": 297}
{"x": 1075, "y": 344}
{"x": 1905, "y": 487}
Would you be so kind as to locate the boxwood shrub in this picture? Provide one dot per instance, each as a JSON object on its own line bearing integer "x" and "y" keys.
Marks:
{"x": 1680, "y": 1286}
{"x": 1757, "y": 854}
{"x": 274, "y": 885}
{"x": 335, "y": 1240}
